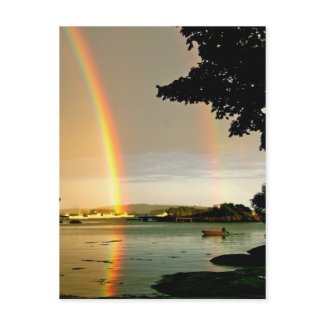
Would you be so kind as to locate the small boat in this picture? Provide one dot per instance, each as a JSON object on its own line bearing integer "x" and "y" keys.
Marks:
{"x": 219, "y": 233}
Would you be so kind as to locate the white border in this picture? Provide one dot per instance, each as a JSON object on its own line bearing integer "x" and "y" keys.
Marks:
{"x": 29, "y": 134}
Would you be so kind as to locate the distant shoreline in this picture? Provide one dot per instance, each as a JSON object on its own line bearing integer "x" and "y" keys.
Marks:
{"x": 65, "y": 220}
{"x": 225, "y": 212}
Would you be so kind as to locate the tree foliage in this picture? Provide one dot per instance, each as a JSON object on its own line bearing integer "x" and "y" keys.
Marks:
{"x": 230, "y": 76}
{"x": 228, "y": 212}
{"x": 259, "y": 203}
{"x": 182, "y": 211}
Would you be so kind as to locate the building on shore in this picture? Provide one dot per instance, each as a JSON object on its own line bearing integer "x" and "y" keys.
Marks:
{"x": 97, "y": 216}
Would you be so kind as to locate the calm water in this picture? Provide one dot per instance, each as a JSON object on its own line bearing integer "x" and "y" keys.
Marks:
{"x": 119, "y": 258}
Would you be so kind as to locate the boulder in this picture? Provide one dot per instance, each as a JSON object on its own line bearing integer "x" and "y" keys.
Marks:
{"x": 238, "y": 260}
{"x": 247, "y": 283}
{"x": 258, "y": 251}
{"x": 255, "y": 257}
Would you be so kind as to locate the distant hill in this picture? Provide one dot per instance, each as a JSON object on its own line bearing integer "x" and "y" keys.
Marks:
{"x": 131, "y": 208}
{"x": 146, "y": 208}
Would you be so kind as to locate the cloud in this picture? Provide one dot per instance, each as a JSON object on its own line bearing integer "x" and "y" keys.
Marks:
{"x": 170, "y": 167}
{"x": 177, "y": 166}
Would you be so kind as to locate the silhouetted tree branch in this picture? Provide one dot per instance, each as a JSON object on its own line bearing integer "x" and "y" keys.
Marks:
{"x": 230, "y": 76}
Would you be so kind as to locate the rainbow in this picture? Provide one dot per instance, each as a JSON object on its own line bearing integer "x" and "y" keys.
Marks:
{"x": 111, "y": 146}
{"x": 102, "y": 108}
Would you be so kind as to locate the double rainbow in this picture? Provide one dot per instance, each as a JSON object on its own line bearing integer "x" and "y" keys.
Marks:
{"x": 101, "y": 106}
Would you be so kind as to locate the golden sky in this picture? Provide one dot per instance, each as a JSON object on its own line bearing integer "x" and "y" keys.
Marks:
{"x": 173, "y": 154}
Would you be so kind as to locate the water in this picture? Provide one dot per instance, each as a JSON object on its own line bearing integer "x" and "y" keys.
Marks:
{"x": 118, "y": 258}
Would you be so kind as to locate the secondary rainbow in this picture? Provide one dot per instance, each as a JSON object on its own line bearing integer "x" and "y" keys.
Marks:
{"x": 97, "y": 94}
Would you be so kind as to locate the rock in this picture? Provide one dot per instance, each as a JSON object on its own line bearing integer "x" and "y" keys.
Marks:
{"x": 246, "y": 283}
{"x": 258, "y": 251}
{"x": 112, "y": 241}
{"x": 102, "y": 281}
{"x": 238, "y": 260}
{"x": 256, "y": 257}
{"x": 99, "y": 261}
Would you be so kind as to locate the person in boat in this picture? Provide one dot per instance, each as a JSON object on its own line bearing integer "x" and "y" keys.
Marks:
{"x": 224, "y": 230}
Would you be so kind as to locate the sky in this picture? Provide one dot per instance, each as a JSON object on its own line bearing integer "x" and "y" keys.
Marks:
{"x": 172, "y": 153}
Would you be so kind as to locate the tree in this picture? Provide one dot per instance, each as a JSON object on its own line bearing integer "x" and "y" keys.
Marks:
{"x": 259, "y": 203}
{"x": 226, "y": 210}
{"x": 230, "y": 76}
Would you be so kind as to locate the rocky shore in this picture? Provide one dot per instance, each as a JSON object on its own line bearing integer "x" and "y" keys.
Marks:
{"x": 245, "y": 283}
{"x": 255, "y": 257}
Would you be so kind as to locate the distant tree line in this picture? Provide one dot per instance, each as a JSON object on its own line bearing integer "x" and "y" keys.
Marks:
{"x": 183, "y": 211}
{"x": 157, "y": 211}
{"x": 179, "y": 211}
{"x": 230, "y": 212}
{"x": 223, "y": 212}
